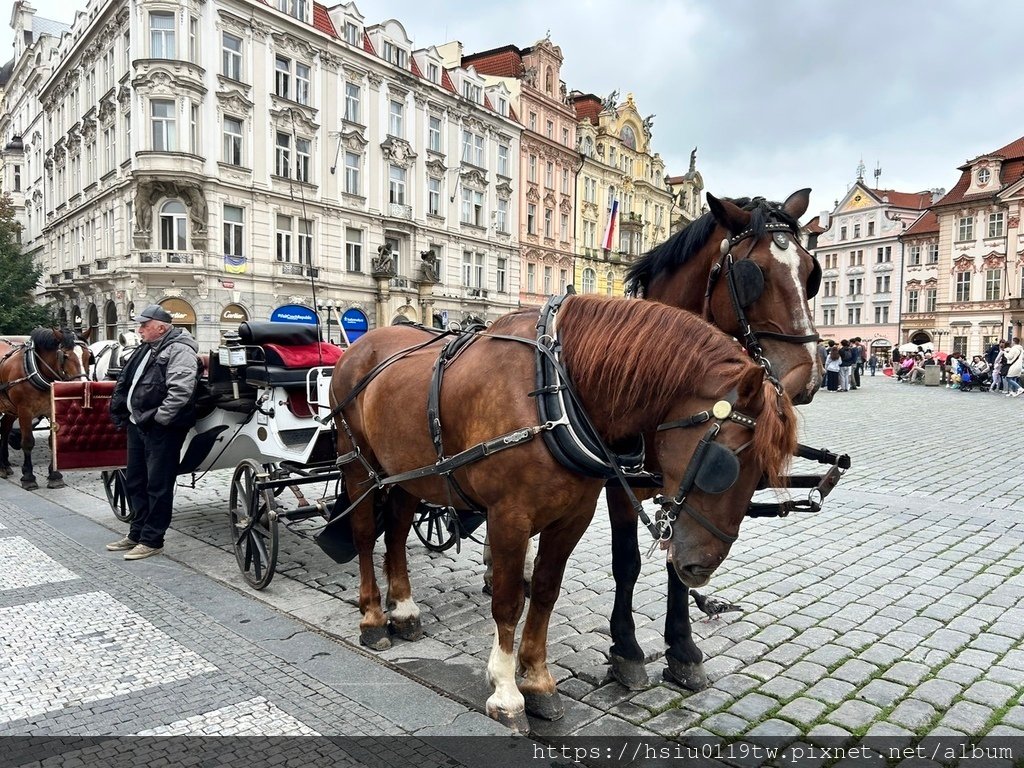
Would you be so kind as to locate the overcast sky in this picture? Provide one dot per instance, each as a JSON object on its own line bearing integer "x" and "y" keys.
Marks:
{"x": 775, "y": 95}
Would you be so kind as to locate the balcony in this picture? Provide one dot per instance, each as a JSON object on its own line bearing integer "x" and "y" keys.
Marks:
{"x": 169, "y": 259}
{"x": 399, "y": 282}
{"x": 474, "y": 294}
{"x": 399, "y": 211}
{"x": 291, "y": 269}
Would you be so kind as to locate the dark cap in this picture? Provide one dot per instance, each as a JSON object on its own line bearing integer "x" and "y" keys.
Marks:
{"x": 154, "y": 312}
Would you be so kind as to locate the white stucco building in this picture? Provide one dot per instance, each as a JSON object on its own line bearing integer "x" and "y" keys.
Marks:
{"x": 228, "y": 157}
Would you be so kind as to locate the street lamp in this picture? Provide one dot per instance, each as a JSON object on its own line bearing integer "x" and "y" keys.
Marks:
{"x": 327, "y": 306}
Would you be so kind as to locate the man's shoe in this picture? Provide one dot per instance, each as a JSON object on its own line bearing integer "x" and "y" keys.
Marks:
{"x": 121, "y": 545}
{"x": 142, "y": 551}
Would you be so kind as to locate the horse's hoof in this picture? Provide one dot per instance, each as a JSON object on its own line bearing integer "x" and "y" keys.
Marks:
{"x": 408, "y": 629}
{"x": 547, "y": 706}
{"x": 375, "y": 638}
{"x": 690, "y": 676}
{"x": 629, "y": 672}
{"x": 517, "y": 722}
{"x": 29, "y": 485}
{"x": 55, "y": 484}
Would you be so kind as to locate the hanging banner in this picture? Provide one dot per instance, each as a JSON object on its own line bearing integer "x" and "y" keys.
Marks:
{"x": 294, "y": 313}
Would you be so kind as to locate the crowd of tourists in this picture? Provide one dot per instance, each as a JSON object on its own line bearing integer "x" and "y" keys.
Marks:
{"x": 998, "y": 370}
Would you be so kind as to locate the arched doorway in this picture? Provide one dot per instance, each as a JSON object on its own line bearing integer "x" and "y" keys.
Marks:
{"x": 76, "y": 318}
{"x": 110, "y": 321}
{"x": 182, "y": 313}
{"x": 62, "y": 318}
{"x": 232, "y": 316}
{"x": 406, "y": 314}
{"x": 93, "y": 316}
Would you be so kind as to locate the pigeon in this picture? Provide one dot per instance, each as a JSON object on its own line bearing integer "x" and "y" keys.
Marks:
{"x": 713, "y": 606}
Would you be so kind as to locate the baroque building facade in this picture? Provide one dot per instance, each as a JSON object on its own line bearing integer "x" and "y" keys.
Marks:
{"x": 21, "y": 118}
{"x": 225, "y": 158}
{"x": 979, "y": 279}
{"x": 624, "y": 207}
{"x": 861, "y": 257}
{"x": 548, "y": 160}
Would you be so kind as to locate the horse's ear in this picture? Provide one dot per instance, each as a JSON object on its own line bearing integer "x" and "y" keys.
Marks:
{"x": 728, "y": 214}
{"x": 796, "y": 204}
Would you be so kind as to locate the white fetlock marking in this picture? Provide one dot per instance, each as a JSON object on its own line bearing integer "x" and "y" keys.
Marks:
{"x": 405, "y": 610}
{"x": 501, "y": 675}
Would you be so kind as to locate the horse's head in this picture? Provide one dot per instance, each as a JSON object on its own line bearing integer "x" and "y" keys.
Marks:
{"x": 63, "y": 352}
{"x": 772, "y": 274}
{"x": 759, "y": 287}
{"x": 713, "y": 461}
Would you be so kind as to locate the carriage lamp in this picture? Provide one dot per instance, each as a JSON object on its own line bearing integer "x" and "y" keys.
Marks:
{"x": 231, "y": 354}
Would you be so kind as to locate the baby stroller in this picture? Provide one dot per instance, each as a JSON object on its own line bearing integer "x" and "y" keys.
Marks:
{"x": 969, "y": 380}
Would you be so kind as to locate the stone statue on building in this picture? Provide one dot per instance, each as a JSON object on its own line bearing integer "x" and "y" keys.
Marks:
{"x": 649, "y": 124}
{"x": 429, "y": 266}
{"x": 693, "y": 160}
{"x": 611, "y": 102}
{"x": 383, "y": 265}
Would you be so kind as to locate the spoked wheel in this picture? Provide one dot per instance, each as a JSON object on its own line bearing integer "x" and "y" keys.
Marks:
{"x": 115, "y": 485}
{"x": 436, "y": 527}
{"x": 253, "y": 525}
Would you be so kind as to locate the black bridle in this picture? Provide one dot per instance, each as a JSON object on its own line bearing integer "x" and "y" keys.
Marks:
{"x": 719, "y": 413}
{"x": 751, "y": 337}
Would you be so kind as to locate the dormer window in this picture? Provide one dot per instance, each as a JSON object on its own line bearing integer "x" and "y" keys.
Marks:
{"x": 472, "y": 92}
{"x": 294, "y": 8}
{"x": 394, "y": 54}
{"x": 351, "y": 33}
{"x": 503, "y": 106}
{"x": 433, "y": 73}
{"x": 984, "y": 175}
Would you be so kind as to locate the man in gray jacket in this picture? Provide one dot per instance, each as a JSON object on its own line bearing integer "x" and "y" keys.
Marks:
{"x": 154, "y": 398}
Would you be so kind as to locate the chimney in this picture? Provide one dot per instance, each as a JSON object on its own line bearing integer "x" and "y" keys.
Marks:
{"x": 937, "y": 194}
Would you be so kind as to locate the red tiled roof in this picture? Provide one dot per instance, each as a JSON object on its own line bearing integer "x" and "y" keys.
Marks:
{"x": 814, "y": 226}
{"x": 367, "y": 45}
{"x": 446, "y": 81}
{"x": 918, "y": 200}
{"x": 588, "y": 107}
{"x": 415, "y": 67}
{"x": 926, "y": 224}
{"x": 1011, "y": 172}
{"x": 487, "y": 103}
{"x": 506, "y": 61}
{"x": 322, "y": 21}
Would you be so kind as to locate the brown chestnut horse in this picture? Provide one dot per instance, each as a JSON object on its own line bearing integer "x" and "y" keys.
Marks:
{"x": 631, "y": 373}
{"x": 774, "y": 277}
{"x": 27, "y": 369}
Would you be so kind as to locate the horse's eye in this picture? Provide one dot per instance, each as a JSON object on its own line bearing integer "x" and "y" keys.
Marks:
{"x": 781, "y": 240}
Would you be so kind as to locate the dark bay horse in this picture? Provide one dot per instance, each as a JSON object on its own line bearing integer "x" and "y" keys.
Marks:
{"x": 631, "y": 374}
{"x": 742, "y": 267}
{"x": 27, "y": 369}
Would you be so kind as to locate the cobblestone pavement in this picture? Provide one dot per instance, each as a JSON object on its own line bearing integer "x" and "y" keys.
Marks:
{"x": 898, "y": 610}
{"x": 88, "y": 648}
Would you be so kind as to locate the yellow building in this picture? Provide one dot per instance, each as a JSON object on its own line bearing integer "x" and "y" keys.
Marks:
{"x": 621, "y": 181}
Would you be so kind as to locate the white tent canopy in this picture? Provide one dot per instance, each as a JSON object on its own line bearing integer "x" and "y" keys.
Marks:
{"x": 908, "y": 347}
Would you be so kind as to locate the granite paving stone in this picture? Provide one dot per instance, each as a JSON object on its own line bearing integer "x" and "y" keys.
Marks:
{"x": 919, "y": 590}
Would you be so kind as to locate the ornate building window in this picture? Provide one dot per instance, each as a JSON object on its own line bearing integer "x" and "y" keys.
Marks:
{"x": 161, "y": 35}
{"x": 164, "y": 125}
{"x": 353, "y": 162}
{"x": 589, "y": 281}
{"x": 231, "y": 56}
{"x": 232, "y": 140}
{"x": 173, "y": 220}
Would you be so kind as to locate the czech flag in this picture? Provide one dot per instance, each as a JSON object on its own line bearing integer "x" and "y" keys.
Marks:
{"x": 609, "y": 233}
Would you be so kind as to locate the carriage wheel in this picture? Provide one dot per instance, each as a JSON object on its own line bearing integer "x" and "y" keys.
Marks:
{"x": 115, "y": 485}
{"x": 436, "y": 527}
{"x": 253, "y": 525}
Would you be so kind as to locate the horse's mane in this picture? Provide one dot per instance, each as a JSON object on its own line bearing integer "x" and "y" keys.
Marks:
{"x": 603, "y": 352}
{"x": 675, "y": 251}
{"x": 46, "y": 339}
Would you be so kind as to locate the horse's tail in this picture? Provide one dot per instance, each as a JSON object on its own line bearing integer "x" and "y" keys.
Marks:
{"x": 775, "y": 435}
